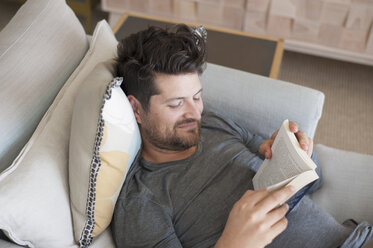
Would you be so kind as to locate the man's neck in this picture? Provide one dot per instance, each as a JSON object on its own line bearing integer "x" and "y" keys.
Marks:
{"x": 157, "y": 155}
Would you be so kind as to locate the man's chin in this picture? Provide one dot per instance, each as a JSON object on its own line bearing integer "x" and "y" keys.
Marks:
{"x": 187, "y": 140}
{"x": 190, "y": 135}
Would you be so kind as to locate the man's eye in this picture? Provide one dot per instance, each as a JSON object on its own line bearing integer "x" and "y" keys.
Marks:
{"x": 197, "y": 97}
{"x": 176, "y": 105}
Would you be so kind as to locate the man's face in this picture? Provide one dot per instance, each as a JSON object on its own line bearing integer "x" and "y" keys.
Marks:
{"x": 174, "y": 117}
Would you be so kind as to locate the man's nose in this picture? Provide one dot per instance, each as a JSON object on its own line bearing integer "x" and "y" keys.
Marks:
{"x": 193, "y": 111}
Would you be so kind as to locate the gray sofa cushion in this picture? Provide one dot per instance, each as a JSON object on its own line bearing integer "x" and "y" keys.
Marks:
{"x": 260, "y": 103}
{"x": 35, "y": 61}
{"x": 8, "y": 244}
{"x": 347, "y": 186}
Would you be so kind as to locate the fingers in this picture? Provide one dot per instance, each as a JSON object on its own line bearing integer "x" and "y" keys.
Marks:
{"x": 293, "y": 127}
{"x": 310, "y": 147}
{"x": 250, "y": 226}
{"x": 275, "y": 134}
{"x": 252, "y": 197}
{"x": 302, "y": 139}
{"x": 280, "y": 226}
{"x": 278, "y": 214}
{"x": 265, "y": 148}
{"x": 275, "y": 199}
{"x": 268, "y": 153}
{"x": 305, "y": 142}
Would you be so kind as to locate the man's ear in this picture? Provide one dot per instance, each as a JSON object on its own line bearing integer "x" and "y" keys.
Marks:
{"x": 136, "y": 107}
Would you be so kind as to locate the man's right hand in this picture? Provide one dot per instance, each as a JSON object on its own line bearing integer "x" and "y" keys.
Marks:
{"x": 256, "y": 219}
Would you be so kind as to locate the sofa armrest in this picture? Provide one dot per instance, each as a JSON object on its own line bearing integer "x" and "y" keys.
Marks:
{"x": 7, "y": 244}
{"x": 260, "y": 103}
{"x": 347, "y": 184}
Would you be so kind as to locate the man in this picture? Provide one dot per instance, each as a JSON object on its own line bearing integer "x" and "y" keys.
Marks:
{"x": 191, "y": 184}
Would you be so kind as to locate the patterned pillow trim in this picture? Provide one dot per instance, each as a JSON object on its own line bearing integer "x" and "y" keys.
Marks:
{"x": 86, "y": 236}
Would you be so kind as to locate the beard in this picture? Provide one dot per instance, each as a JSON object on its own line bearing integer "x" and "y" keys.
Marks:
{"x": 172, "y": 139}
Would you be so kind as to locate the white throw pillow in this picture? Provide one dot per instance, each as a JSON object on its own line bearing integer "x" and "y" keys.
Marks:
{"x": 39, "y": 49}
{"x": 34, "y": 192}
{"x": 104, "y": 141}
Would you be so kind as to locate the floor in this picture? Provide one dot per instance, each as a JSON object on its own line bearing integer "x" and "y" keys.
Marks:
{"x": 347, "y": 120}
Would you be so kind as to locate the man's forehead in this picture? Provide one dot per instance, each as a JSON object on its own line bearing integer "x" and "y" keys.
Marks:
{"x": 177, "y": 84}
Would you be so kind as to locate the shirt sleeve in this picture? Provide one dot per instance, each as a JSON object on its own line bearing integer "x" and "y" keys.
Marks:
{"x": 141, "y": 222}
{"x": 250, "y": 140}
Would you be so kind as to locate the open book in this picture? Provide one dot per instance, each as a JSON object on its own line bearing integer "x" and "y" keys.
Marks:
{"x": 289, "y": 165}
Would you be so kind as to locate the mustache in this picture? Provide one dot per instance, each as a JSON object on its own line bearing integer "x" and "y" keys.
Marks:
{"x": 186, "y": 121}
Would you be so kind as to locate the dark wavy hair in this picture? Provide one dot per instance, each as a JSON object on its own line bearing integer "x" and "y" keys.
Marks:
{"x": 177, "y": 50}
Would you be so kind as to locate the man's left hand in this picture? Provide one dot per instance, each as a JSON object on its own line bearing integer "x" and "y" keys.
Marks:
{"x": 306, "y": 143}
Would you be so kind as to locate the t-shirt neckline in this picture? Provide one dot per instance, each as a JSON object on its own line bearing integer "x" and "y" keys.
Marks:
{"x": 150, "y": 165}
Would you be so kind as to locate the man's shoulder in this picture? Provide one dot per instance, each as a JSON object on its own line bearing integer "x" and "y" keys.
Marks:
{"x": 135, "y": 194}
{"x": 131, "y": 188}
{"x": 136, "y": 189}
{"x": 213, "y": 117}
{"x": 220, "y": 122}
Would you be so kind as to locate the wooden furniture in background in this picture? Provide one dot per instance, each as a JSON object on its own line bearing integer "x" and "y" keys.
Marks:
{"x": 340, "y": 29}
{"x": 257, "y": 54}
{"x": 82, "y": 8}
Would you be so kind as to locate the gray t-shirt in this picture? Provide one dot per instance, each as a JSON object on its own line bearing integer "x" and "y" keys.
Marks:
{"x": 186, "y": 203}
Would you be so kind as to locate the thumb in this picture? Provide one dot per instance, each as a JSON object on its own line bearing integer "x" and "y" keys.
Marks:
{"x": 268, "y": 152}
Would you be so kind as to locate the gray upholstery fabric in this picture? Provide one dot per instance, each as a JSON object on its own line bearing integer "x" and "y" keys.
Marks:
{"x": 347, "y": 186}
{"x": 41, "y": 170}
{"x": 259, "y": 102}
{"x": 38, "y": 52}
{"x": 7, "y": 244}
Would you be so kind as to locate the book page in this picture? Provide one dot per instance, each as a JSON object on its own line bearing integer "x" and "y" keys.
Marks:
{"x": 305, "y": 178}
{"x": 286, "y": 163}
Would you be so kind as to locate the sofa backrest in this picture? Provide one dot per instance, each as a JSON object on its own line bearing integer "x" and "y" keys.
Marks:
{"x": 35, "y": 61}
{"x": 260, "y": 103}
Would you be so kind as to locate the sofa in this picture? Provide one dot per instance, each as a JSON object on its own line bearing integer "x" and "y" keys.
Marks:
{"x": 68, "y": 134}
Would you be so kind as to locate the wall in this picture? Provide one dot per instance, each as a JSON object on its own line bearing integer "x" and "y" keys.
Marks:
{"x": 345, "y": 25}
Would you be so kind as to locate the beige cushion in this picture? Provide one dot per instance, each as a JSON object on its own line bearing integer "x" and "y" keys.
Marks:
{"x": 105, "y": 240}
{"x": 104, "y": 141}
{"x": 34, "y": 191}
{"x": 39, "y": 49}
